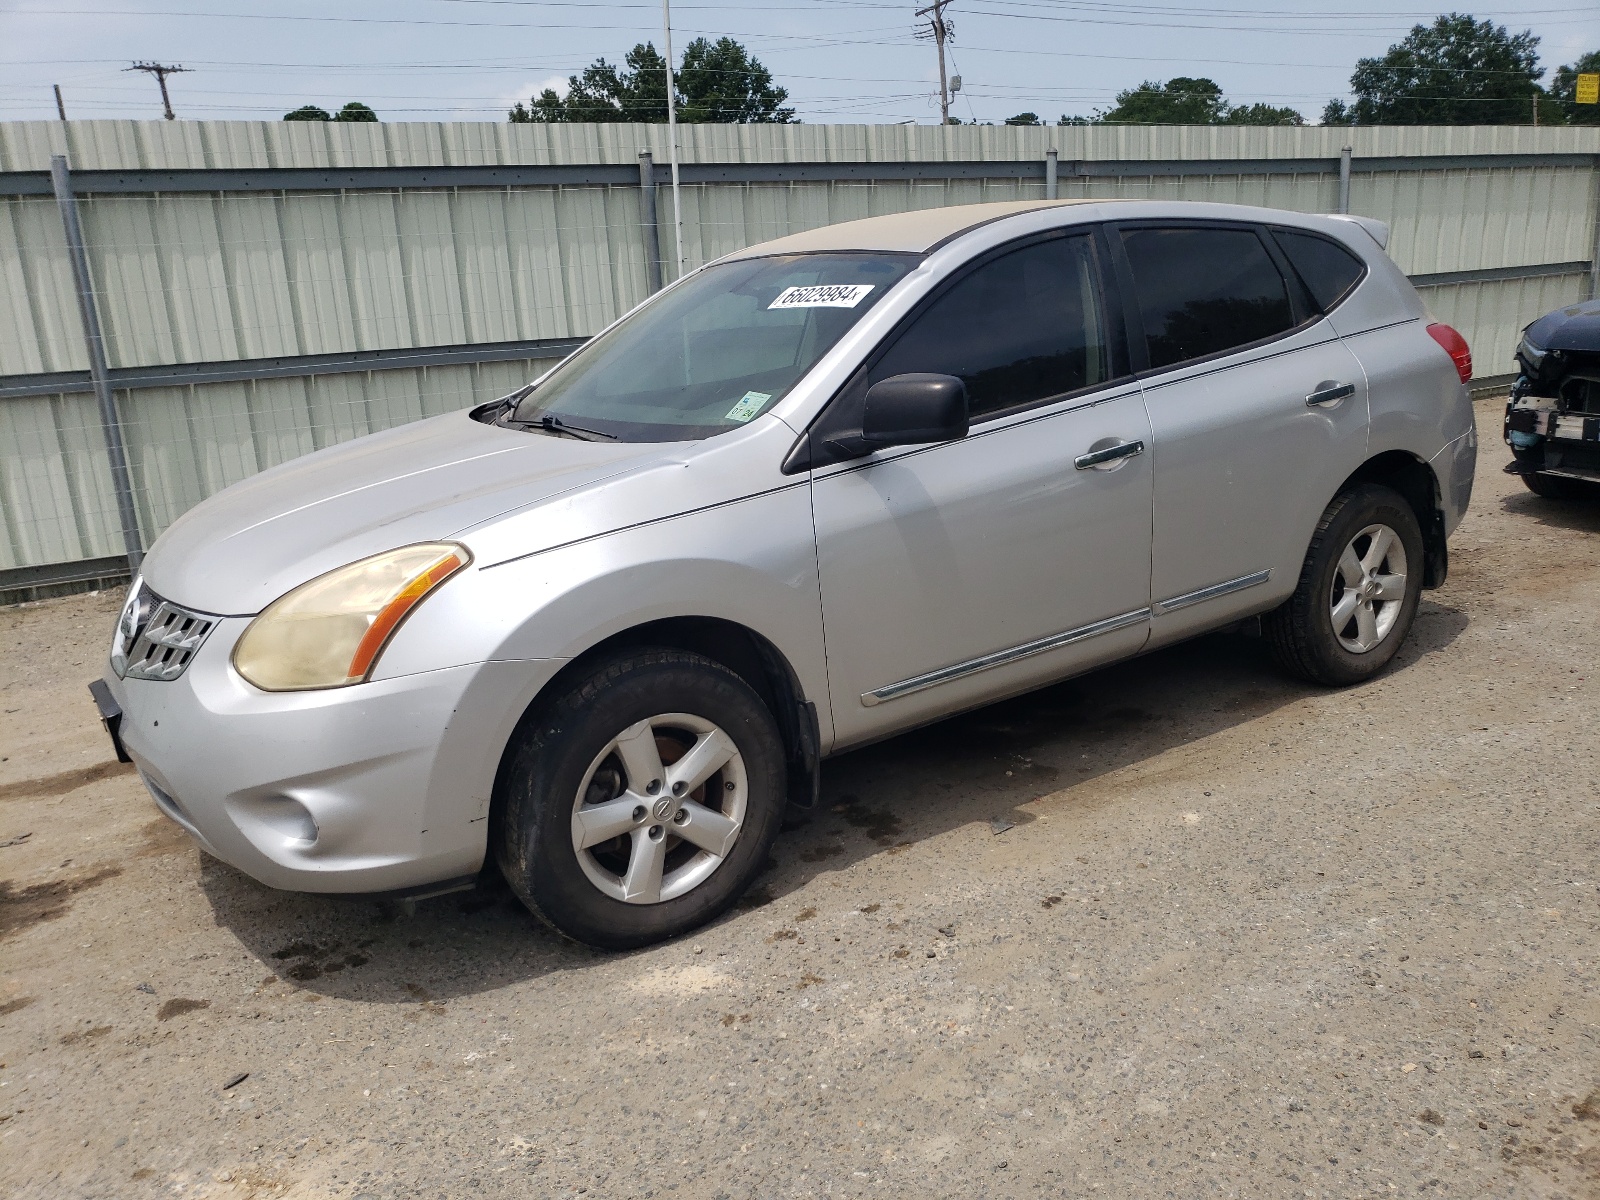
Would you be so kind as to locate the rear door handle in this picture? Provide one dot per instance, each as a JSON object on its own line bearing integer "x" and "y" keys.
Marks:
{"x": 1096, "y": 458}
{"x": 1329, "y": 393}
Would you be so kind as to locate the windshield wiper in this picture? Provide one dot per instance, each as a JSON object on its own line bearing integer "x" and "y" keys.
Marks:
{"x": 550, "y": 423}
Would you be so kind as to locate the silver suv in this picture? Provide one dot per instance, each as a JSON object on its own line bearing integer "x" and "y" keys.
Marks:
{"x": 821, "y": 491}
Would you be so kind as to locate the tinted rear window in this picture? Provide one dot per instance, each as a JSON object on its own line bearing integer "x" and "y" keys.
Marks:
{"x": 1328, "y": 270}
{"x": 1203, "y": 291}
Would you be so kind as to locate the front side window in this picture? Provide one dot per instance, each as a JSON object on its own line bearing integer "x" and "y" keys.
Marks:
{"x": 1203, "y": 291}
{"x": 715, "y": 352}
{"x": 1017, "y": 330}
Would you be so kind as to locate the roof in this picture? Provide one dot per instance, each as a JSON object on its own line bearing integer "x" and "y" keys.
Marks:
{"x": 913, "y": 232}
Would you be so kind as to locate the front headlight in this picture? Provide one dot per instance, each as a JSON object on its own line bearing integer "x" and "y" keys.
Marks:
{"x": 1529, "y": 353}
{"x": 329, "y": 632}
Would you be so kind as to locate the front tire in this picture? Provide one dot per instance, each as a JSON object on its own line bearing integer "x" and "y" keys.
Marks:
{"x": 1358, "y": 591}
{"x": 1559, "y": 487}
{"x": 642, "y": 801}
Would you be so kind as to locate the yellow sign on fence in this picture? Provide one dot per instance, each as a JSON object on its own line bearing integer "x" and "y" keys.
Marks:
{"x": 1588, "y": 89}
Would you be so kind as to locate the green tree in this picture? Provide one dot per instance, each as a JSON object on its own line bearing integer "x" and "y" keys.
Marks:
{"x": 1564, "y": 90}
{"x": 355, "y": 111}
{"x": 1262, "y": 114}
{"x": 1024, "y": 118}
{"x": 1179, "y": 101}
{"x": 1337, "y": 112}
{"x": 722, "y": 83}
{"x": 1457, "y": 71}
{"x": 1185, "y": 101}
{"x": 716, "y": 82}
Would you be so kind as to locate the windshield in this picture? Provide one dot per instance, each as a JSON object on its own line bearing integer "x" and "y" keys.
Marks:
{"x": 715, "y": 352}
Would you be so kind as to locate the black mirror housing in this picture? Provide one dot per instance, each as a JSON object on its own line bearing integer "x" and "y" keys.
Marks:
{"x": 915, "y": 409}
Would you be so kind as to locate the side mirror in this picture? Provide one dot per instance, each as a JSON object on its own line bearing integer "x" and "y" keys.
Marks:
{"x": 915, "y": 409}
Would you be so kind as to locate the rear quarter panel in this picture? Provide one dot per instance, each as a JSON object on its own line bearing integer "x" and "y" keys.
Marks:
{"x": 1419, "y": 405}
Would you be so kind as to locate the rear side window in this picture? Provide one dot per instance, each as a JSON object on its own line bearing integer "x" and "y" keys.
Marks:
{"x": 1328, "y": 270}
{"x": 1202, "y": 291}
{"x": 1019, "y": 329}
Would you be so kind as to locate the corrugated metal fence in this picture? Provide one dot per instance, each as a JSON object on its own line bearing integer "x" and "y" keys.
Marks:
{"x": 270, "y": 288}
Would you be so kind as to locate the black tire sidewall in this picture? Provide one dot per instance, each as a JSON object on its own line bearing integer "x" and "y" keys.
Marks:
{"x": 1559, "y": 487}
{"x": 1363, "y": 506}
{"x": 548, "y": 764}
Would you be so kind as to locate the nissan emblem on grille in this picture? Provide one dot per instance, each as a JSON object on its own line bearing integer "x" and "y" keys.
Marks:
{"x": 155, "y": 639}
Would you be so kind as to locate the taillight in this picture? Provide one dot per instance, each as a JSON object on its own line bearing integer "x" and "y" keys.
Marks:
{"x": 1455, "y": 346}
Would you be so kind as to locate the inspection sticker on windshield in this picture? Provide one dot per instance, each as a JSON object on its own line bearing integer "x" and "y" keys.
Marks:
{"x": 823, "y": 295}
{"x": 749, "y": 405}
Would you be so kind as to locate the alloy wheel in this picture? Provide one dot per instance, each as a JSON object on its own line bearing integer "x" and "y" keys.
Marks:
{"x": 660, "y": 808}
{"x": 1369, "y": 588}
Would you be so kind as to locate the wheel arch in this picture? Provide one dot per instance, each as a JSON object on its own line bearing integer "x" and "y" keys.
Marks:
{"x": 1414, "y": 479}
{"x": 747, "y": 653}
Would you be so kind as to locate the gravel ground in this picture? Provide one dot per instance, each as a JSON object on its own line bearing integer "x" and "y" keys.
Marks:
{"x": 1179, "y": 928}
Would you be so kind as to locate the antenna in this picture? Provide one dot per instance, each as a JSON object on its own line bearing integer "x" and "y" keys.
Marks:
{"x": 160, "y": 72}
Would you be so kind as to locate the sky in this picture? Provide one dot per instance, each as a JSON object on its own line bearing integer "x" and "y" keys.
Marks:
{"x": 842, "y": 61}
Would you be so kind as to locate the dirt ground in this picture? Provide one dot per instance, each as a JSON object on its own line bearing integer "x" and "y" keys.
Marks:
{"x": 1179, "y": 928}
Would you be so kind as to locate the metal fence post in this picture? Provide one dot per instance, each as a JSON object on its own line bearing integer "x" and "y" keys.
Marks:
{"x": 1051, "y": 187}
{"x": 1594, "y": 243}
{"x": 1344, "y": 180}
{"x": 652, "y": 228}
{"x": 61, "y": 180}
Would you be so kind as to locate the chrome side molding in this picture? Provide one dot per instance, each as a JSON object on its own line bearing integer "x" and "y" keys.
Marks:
{"x": 1000, "y": 658}
{"x": 1212, "y": 592}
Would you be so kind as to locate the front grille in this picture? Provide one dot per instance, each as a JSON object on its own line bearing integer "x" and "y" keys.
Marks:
{"x": 155, "y": 638}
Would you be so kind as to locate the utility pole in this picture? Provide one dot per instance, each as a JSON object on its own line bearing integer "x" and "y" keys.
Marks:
{"x": 61, "y": 108}
{"x": 160, "y": 72}
{"x": 672, "y": 134}
{"x": 940, "y": 29}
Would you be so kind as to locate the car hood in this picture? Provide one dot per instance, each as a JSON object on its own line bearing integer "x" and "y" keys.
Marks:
{"x": 247, "y": 545}
{"x": 1576, "y": 327}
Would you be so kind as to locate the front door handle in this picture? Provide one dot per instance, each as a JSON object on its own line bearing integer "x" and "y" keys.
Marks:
{"x": 1329, "y": 392}
{"x": 1098, "y": 458}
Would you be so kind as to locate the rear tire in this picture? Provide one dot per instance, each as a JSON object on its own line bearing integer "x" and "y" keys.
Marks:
{"x": 1358, "y": 592}
{"x": 642, "y": 801}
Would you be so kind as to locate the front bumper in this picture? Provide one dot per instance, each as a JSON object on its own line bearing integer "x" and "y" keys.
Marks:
{"x": 380, "y": 787}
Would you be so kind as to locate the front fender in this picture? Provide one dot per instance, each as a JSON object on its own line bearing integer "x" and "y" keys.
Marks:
{"x": 751, "y": 562}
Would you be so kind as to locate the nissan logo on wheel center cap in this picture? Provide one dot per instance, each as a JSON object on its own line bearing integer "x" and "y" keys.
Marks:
{"x": 663, "y": 808}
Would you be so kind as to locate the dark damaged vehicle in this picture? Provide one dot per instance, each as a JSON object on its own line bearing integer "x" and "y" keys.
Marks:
{"x": 1553, "y": 419}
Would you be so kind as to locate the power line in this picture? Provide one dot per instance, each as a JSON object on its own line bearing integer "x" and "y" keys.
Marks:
{"x": 479, "y": 66}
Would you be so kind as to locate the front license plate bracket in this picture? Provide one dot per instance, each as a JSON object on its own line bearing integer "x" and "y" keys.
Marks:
{"x": 110, "y": 716}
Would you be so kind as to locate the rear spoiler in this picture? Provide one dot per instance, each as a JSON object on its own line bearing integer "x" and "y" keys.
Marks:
{"x": 1377, "y": 230}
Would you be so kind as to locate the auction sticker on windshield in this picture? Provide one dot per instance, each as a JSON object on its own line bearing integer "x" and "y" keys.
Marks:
{"x": 749, "y": 405}
{"x": 823, "y": 295}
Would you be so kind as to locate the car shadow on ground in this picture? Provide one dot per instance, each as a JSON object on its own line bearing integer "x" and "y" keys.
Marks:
{"x": 987, "y": 766}
{"x": 983, "y": 766}
{"x": 1581, "y": 514}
